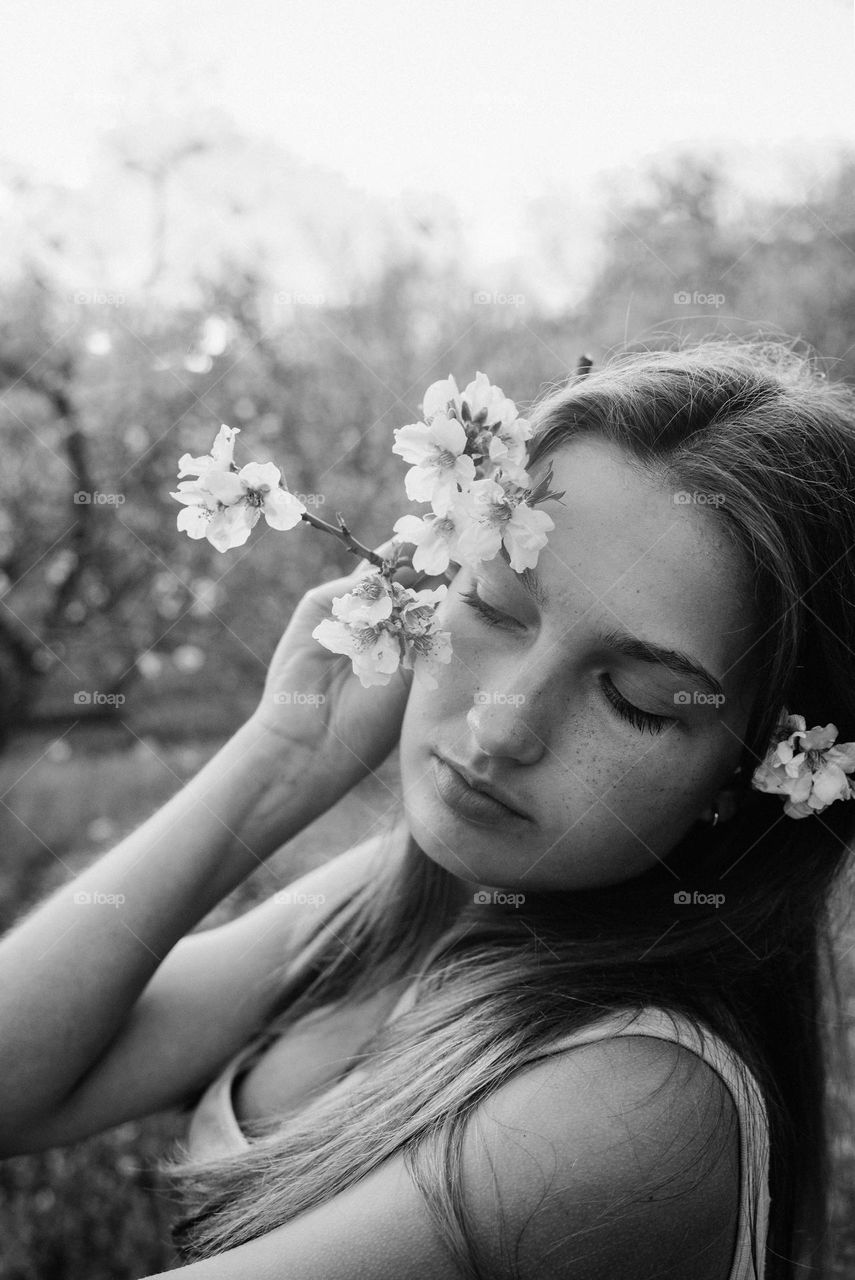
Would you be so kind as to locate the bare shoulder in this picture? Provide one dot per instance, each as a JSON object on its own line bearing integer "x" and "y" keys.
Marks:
{"x": 592, "y": 1163}
{"x": 616, "y": 1159}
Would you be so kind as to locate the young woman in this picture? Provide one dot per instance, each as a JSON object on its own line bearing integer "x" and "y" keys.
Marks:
{"x": 569, "y": 1015}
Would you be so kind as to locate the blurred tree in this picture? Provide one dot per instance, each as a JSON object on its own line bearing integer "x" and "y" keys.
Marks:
{"x": 692, "y": 255}
{"x": 101, "y": 392}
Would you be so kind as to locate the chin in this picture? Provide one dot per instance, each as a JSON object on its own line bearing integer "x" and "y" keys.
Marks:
{"x": 475, "y": 862}
{"x": 439, "y": 847}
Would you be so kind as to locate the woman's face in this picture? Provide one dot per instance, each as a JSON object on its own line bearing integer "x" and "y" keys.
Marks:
{"x": 527, "y": 702}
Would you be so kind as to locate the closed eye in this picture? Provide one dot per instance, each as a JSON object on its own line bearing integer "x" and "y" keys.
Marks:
{"x": 493, "y": 616}
{"x": 644, "y": 721}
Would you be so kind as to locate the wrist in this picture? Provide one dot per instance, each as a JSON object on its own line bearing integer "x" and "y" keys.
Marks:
{"x": 282, "y": 776}
{"x": 254, "y": 787}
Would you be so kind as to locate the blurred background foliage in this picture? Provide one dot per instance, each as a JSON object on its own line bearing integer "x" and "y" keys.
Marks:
{"x": 102, "y": 389}
{"x": 206, "y": 277}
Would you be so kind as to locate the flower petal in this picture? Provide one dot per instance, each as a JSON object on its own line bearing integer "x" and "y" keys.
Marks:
{"x": 368, "y": 603}
{"x": 232, "y": 526}
{"x": 282, "y": 510}
{"x": 260, "y": 476}
{"x": 192, "y": 494}
{"x": 525, "y": 536}
{"x": 819, "y": 737}
{"x": 225, "y": 487}
{"x": 376, "y": 666}
{"x": 190, "y": 466}
{"x": 843, "y": 755}
{"x": 447, "y": 434}
{"x": 439, "y": 396}
{"x": 223, "y": 448}
{"x": 334, "y": 636}
{"x": 420, "y": 484}
{"x": 412, "y": 443}
{"x": 830, "y": 783}
{"x": 194, "y": 521}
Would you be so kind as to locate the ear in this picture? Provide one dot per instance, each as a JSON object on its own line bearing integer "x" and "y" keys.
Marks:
{"x": 728, "y": 802}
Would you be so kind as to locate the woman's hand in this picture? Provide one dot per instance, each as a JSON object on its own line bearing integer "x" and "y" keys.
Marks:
{"x": 313, "y": 698}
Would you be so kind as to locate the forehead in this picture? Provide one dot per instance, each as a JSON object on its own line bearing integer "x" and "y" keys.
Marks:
{"x": 628, "y": 547}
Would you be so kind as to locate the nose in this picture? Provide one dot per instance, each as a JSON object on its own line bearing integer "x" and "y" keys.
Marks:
{"x": 499, "y": 728}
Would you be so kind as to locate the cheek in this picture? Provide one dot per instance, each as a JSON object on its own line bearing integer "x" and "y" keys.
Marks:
{"x": 604, "y": 842}
{"x": 612, "y": 792}
{"x": 661, "y": 804}
{"x": 426, "y": 711}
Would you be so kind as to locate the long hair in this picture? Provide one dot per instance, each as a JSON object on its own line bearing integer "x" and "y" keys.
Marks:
{"x": 762, "y": 427}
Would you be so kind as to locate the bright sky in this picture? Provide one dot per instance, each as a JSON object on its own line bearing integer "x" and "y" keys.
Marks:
{"x": 491, "y": 102}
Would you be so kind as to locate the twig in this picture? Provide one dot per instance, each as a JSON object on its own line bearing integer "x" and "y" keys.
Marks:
{"x": 344, "y": 535}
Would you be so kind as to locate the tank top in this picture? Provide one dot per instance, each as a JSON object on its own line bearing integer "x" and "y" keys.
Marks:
{"x": 214, "y": 1129}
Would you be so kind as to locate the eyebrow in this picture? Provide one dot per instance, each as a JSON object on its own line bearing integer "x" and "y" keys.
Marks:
{"x": 634, "y": 647}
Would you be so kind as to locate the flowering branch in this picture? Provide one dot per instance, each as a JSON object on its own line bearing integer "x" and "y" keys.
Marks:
{"x": 468, "y": 460}
{"x": 346, "y": 537}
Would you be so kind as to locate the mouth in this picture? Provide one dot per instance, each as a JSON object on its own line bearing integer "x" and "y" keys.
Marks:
{"x": 472, "y": 798}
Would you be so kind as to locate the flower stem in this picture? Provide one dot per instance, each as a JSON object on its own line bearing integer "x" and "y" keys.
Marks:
{"x": 346, "y": 537}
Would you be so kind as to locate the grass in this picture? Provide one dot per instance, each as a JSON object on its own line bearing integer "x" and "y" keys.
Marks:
{"x": 95, "y": 1210}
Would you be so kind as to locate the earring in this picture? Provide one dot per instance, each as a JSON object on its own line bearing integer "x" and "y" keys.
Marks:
{"x": 714, "y": 819}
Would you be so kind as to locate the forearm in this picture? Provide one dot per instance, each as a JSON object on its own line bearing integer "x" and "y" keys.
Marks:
{"x": 72, "y": 969}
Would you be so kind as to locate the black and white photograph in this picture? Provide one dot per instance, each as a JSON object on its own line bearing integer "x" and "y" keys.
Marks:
{"x": 427, "y": 640}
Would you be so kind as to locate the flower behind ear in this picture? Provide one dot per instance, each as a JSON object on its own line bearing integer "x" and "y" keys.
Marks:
{"x": 806, "y": 767}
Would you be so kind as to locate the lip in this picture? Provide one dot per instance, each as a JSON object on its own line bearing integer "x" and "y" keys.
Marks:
{"x": 471, "y": 796}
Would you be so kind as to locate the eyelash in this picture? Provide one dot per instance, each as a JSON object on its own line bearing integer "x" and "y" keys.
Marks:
{"x": 644, "y": 721}
{"x": 487, "y": 612}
